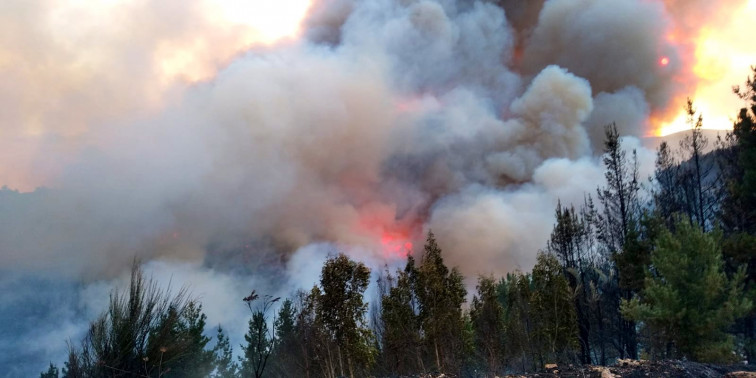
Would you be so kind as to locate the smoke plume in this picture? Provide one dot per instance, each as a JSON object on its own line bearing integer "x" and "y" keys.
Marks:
{"x": 228, "y": 160}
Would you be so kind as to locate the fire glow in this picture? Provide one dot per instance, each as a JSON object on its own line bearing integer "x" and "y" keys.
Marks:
{"x": 722, "y": 59}
{"x": 396, "y": 244}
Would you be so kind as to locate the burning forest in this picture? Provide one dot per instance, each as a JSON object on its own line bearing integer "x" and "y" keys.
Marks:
{"x": 407, "y": 184}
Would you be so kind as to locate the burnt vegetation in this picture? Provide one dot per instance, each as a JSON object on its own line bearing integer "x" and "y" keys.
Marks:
{"x": 656, "y": 269}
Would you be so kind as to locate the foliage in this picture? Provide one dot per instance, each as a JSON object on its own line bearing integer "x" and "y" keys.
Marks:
{"x": 665, "y": 264}
{"x": 487, "y": 320}
{"x": 688, "y": 301}
{"x": 225, "y": 367}
{"x": 52, "y": 372}
{"x": 341, "y": 310}
{"x": 440, "y": 293}
{"x": 146, "y": 331}
{"x": 553, "y": 311}
{"x": 402, "y": 349}
{"x": 260, "y": 341}
{"x": 616, "y": 225}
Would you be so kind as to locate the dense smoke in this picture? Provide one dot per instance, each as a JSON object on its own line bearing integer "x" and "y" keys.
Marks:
{"x": 470, "y": 118}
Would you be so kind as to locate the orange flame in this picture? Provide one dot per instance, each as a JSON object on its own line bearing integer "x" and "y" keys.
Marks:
{"x": 722, "y": 54}
{"x": 393, "y": 237}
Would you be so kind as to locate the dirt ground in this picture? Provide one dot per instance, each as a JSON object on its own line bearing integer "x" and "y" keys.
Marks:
{"x": 637, "y": 369}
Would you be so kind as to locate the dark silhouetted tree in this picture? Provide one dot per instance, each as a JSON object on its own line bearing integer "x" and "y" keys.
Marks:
{"x": 260, "y": 340}
{"x": 618, "y": 221}
{"x": 553, "y": 311}
{"x": 487, "y": 316}
{"x": 52, "y": 372}
{"x": 225, "y": 367}
{"x": 145, "y": 331}
{"x": 401, "y": 342}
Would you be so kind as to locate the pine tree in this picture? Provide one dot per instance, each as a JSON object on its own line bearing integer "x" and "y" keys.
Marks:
{"x": 618, "y": 221}
{"x": 74, "y": 367}
{"x": 260, "y": 340}
{"x": 145, "y": 331}
{"x": 553, "y": 310}
{"x": 569, "y": 242}
{"x": 697, "y": 172}
{"x": 225, "y": 367}
{"x": 52, "y": 372}
{"x": 667, "y": 191}
{"x": 258, "y": 347}
{"x": 186, "y": 355}
{"x": 620, "y": 197}
{"x": 688, "y": 301}
{"x": 285, "y": 351}
{"x": 738, "y": 208}
{"x": 515, "y": 292}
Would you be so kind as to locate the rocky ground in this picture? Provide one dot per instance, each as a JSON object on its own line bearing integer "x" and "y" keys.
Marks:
{"x": 632, "y": 368}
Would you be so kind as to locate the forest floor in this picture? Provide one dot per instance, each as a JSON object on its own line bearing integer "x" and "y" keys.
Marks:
{"x": 632, "y": 368}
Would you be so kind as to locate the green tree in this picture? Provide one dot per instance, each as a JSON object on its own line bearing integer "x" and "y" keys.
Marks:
{"x": 260, "y": 340}
{"x": 570, "y": 243}
{"x": 73, "y": 368}
{"x": 314, "y": 349}
{"x": 401, "y": 340}
{"x": 145, "y": 331}
{"x": 553, "y": 311}
{"x": 52, "y": 372}
{"x": 620, "y": 196}
{"x": 342, "y": 310}
{"x": 225, "y": 367}
{"x": 697, "y": 173}
{"x": 738, "y": 208}
{"x": 285, "y": 351}
{"x": 185, "y": 351}
{"x": 667, "y": 193}
{"x": 744, "y": 130}
{"x": 487, "y": 316}
{"x": 515, "y": 293}
{"x": 440, "y": 294}
{"x": 688, "y": 301}
{"x": 617, "y": 223}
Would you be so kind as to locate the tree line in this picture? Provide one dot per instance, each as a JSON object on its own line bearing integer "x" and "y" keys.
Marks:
{"x": 660, "y": 268}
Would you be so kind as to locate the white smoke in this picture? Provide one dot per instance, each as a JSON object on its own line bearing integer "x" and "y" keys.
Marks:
{"x": 388, "y": 114}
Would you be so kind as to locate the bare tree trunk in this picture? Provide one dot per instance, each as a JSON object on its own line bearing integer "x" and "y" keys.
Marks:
{"x": 341, "y": 362}
{"x": 420, "y": 363}
{"x": 331, "y": 369}
{"x": 349, "y": 365}
{"x": 438, "y": 359}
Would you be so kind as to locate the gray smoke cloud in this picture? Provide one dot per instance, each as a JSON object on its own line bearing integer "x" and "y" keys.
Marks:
{"x": 388, "y": 116}
{"x": 613, "y": 44}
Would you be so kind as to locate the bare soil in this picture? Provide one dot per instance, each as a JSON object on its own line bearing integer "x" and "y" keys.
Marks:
{"x": 638, "y": 369}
